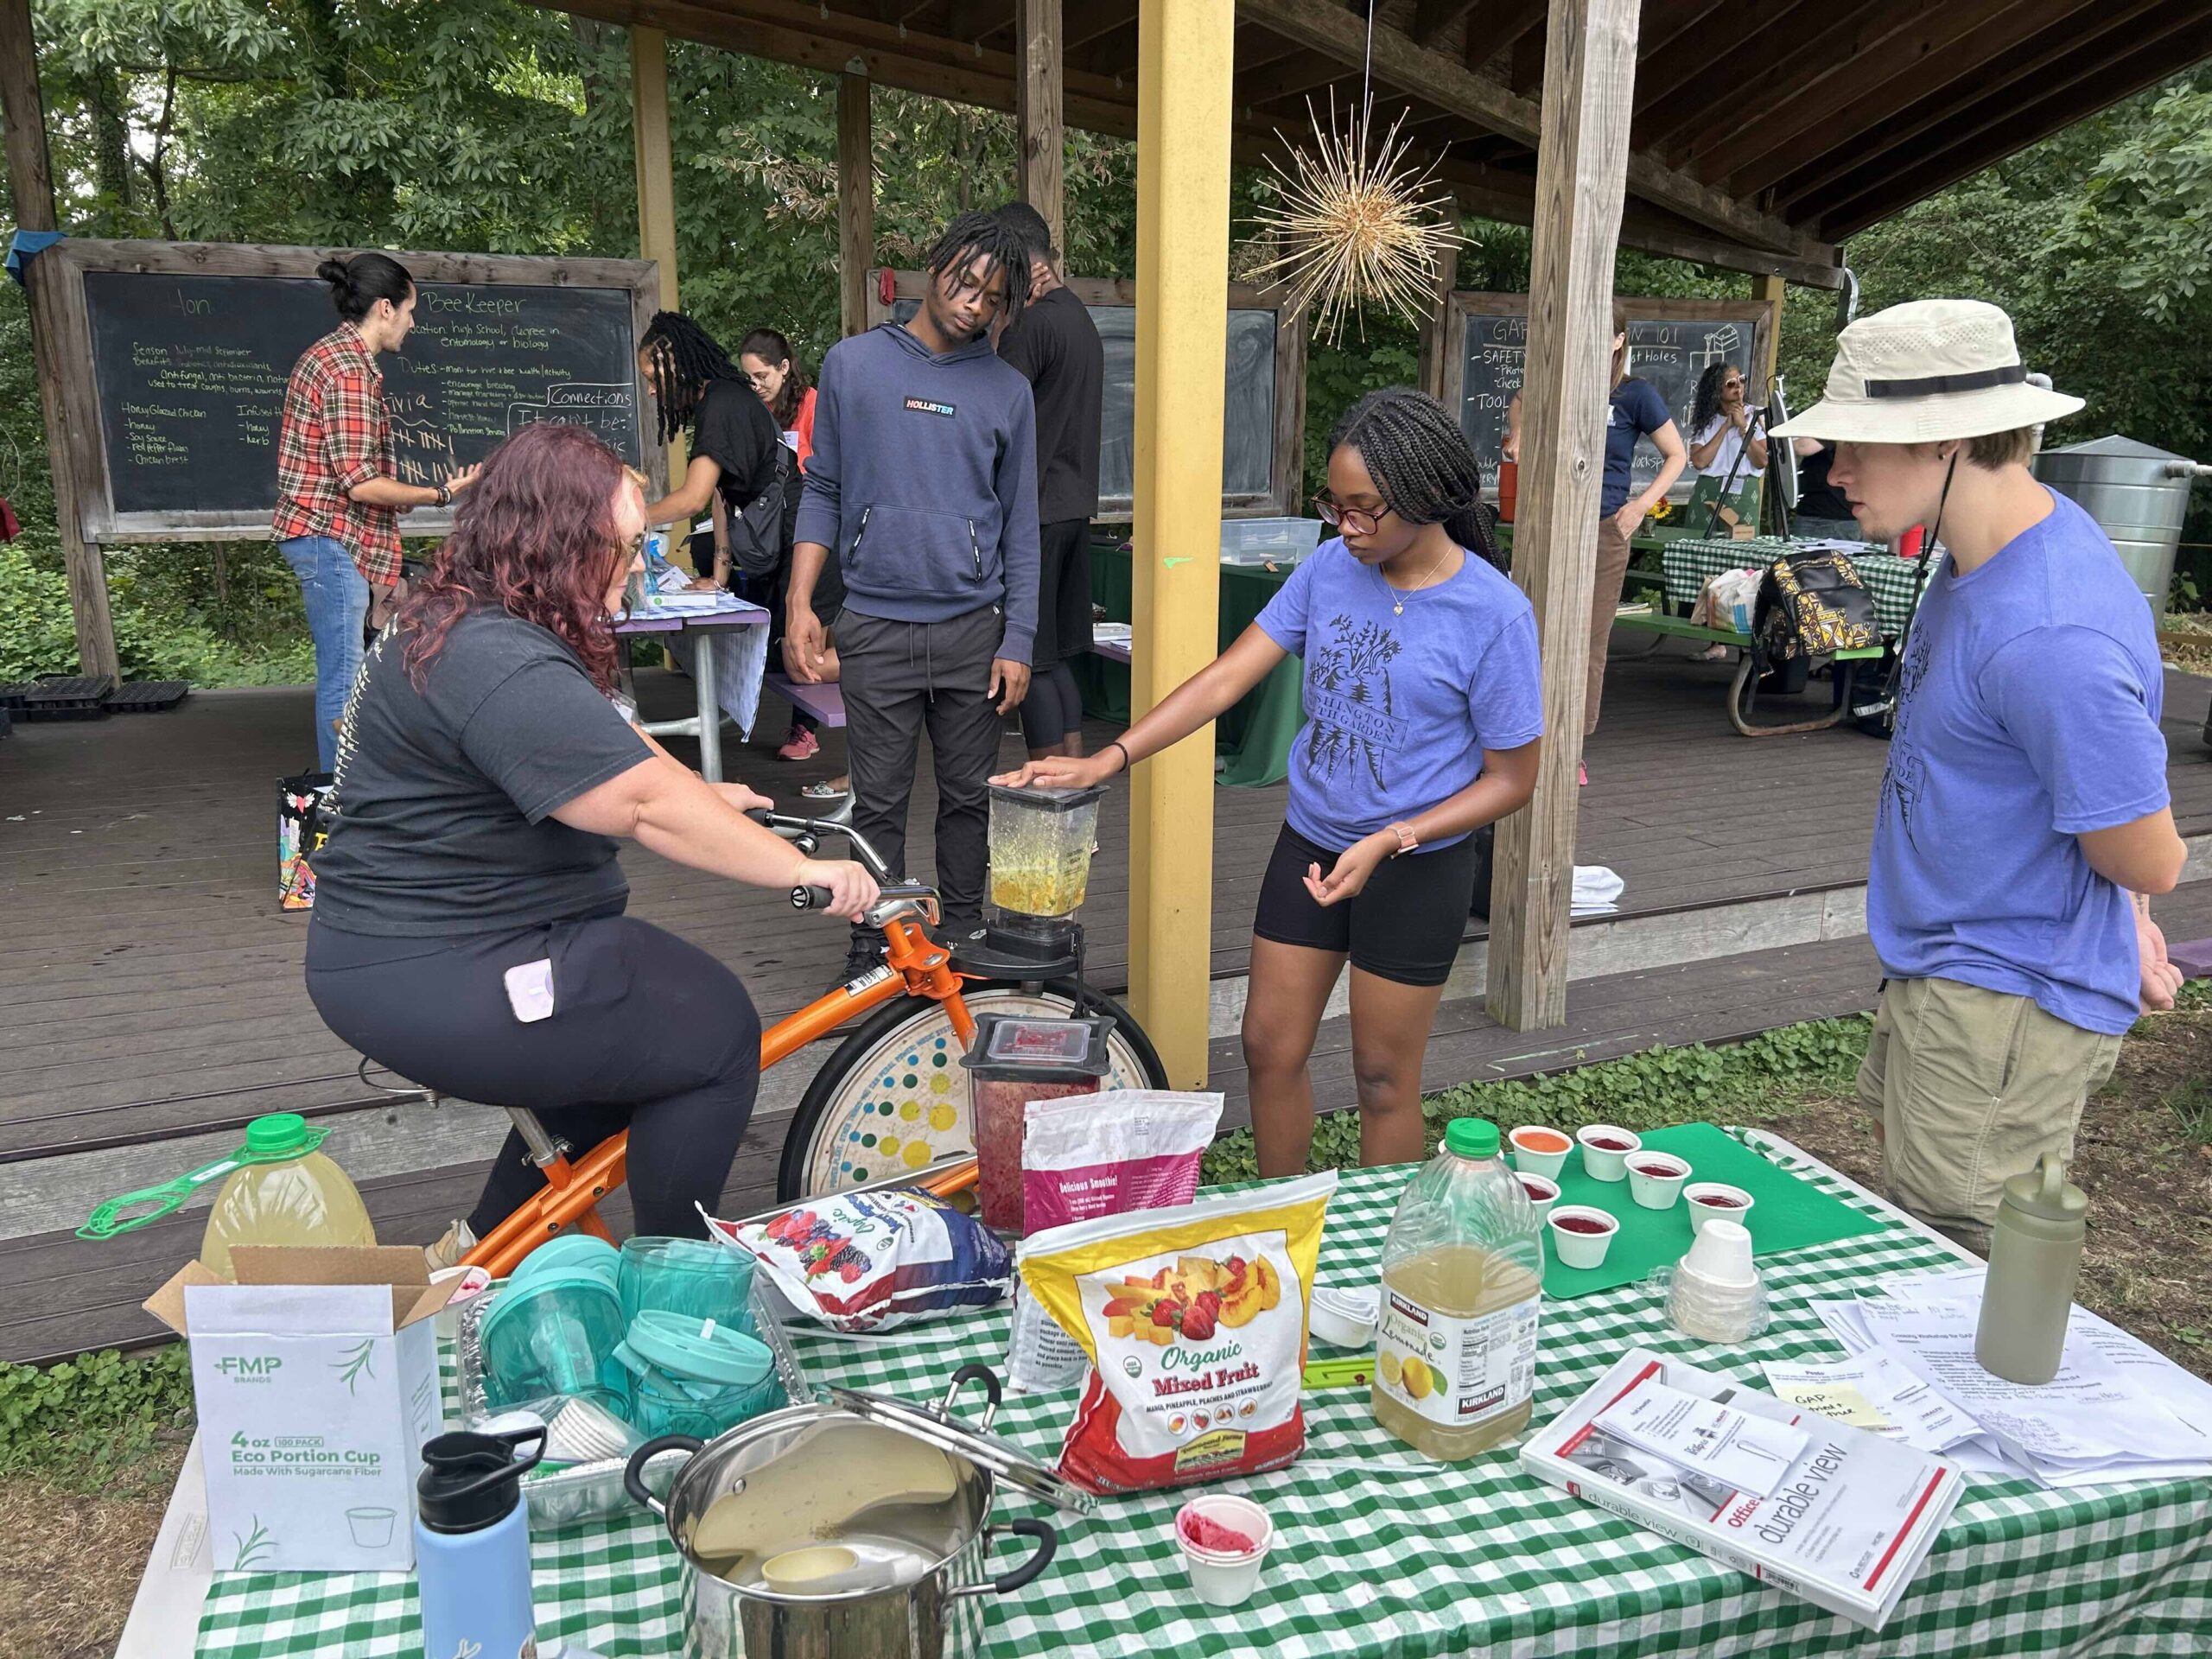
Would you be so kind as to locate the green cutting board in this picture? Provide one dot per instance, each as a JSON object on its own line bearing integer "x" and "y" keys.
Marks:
{"x": 1787, "y": 1213}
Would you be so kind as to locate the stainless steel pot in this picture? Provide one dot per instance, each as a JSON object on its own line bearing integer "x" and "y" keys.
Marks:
{"x": 892, "y": 1563}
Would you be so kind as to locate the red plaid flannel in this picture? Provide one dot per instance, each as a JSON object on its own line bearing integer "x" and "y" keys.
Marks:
{"x": 335, "y": 435}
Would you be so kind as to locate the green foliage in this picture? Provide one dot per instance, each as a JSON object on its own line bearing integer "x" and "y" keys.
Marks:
{"x": 1638, "y": 1091}
{"x": 85, "y": 1423}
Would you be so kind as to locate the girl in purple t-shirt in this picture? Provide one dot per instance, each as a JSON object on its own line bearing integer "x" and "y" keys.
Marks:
{"x": 1423, "y": 709}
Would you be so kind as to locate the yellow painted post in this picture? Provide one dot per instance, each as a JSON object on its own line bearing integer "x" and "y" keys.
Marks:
{"x": 656, "y": 170}
{"x": 1185, "y": 57}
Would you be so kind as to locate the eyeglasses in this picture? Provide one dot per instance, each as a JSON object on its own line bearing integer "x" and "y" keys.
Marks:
{"x": 1358, "y": 521}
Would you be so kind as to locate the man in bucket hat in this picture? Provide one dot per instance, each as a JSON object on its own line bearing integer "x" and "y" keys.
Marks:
{"x": 2024, "y": 814}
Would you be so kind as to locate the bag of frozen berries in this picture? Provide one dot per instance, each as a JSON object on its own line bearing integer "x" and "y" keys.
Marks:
{"x": 1194, "y": 1321}
{"x": 870, "y": 1260}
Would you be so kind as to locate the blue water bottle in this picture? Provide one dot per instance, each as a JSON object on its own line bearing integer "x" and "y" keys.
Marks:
{"x": 471, "y": 1545}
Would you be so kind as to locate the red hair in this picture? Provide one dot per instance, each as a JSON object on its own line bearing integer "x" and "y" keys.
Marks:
{"x": 534, "y": 536}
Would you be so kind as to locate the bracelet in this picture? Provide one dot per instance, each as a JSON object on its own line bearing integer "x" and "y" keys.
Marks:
{"x": 1406, "y": 840}
{"x": 1126, "y": 762}
{"x": 445, "y": 495}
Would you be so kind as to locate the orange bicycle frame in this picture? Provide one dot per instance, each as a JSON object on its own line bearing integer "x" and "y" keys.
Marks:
{"x": 918, "y": 967}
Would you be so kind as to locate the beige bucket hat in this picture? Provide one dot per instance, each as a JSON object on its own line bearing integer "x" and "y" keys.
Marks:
{"x": 1925, "y": 371}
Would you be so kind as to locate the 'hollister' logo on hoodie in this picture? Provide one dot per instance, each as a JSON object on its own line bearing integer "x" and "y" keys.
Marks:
{"x": 931, "y": 406}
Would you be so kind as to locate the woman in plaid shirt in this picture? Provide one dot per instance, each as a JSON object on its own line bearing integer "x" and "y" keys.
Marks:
{"x": 338, "y": 504}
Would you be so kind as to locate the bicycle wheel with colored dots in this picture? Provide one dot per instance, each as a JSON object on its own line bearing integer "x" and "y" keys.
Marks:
{"x": 893, "y": 1098}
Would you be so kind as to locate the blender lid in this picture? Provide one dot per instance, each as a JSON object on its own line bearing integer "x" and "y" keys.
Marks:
{"x": 1006, "y": 1460}
{"x": 1048, "y": 798}
{"x": 1043, "y": 1049}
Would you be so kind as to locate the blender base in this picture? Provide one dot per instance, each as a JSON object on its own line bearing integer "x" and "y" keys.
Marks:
{"x": 999, "y": 954}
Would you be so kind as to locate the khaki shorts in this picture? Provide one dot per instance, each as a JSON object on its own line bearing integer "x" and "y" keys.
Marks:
{"x": 1972, "y": 1086}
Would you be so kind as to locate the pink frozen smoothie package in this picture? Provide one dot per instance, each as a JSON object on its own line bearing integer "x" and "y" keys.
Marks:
{"x": 1102, "y": 1154}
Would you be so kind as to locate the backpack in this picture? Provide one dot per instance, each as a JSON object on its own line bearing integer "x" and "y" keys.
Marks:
{"x": 760, "y": 531}
{"x": 1810, "y": 605}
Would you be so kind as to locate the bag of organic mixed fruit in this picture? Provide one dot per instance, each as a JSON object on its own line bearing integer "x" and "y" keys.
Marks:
{"x": 1194, "y": 1322}
{"x": 1087, "y": 1155}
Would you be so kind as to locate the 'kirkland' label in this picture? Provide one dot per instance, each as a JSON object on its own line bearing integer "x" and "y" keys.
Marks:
{"x": 1456, "y": 1373}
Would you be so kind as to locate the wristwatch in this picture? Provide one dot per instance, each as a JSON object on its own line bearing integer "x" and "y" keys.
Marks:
{"x": 445, "y": 495}
{"x": 1406, "y": 840}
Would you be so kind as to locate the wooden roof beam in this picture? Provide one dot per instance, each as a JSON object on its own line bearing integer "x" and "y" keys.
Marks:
{"x": 978, "y": 20}
{"x": 1304, "y": 72}
{"x": 1822, "y": 70}
{"x": 1432, "y": 18}
{"x": 1989, "y": 132}
{"x": 1901, "y": 111}
{"x": 1494, "y": 25}
{"x": 1437, "y": 79}
{"x": 1096, "y": 21}
{"x": 1665, "y": 21}
{"x": 1705, "y": 53}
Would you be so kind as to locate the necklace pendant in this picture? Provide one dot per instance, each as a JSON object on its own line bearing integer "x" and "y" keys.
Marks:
{"x": 1398, "y": 609}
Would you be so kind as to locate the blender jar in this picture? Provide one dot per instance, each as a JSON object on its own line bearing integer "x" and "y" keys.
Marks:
{"x": 1041, "y": 842}
{"x": 1013, "y": 1060}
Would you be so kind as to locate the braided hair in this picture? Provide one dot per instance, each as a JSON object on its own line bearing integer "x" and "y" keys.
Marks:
{"x": 1421, "y": 465}
{"x": 1708, "y": 395}
{"x": 993, "y": 238}
{"x": 686, "y": 360}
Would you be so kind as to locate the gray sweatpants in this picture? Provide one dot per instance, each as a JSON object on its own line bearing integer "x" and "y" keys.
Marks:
{"x": 898, "y": 678}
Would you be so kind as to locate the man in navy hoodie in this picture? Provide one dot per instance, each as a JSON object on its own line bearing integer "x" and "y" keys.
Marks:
{"x": 923, "y": 478}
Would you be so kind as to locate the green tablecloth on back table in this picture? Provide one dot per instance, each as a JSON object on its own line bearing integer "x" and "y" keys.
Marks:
{"x": 1690, "y": 563}
{"x": 1382, "y": 1555}
{"x": 1254, "y": 738}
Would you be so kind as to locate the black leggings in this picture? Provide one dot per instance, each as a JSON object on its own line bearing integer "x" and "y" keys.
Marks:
{"x": 647, "y": 1032}
{"x": 1053, "y": 707}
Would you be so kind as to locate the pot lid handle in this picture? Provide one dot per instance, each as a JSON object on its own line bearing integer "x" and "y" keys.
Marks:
{"x": 934, "y": 1426}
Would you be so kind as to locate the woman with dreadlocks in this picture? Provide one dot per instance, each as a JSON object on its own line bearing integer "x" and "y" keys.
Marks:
{"x": 1423, "y": 709}
{"x": 737, "y": 453}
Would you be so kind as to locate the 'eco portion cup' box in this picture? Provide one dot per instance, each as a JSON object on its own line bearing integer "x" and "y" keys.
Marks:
{"x": 316, "y": 1380}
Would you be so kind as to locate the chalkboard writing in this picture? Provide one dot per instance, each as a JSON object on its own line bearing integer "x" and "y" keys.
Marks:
{"x": 1671, "y": 354}
{"x": 191, "y": 372}
{"x": 1248, "y": 438}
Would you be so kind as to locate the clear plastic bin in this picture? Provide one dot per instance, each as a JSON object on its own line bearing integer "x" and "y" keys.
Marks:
{"x": 1269, "y": 541}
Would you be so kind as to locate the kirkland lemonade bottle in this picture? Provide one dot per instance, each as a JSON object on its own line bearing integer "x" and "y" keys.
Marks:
{"x": 1455, "y": 1355}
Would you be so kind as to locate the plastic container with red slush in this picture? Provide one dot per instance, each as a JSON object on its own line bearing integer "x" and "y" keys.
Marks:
{"x": 1013, "y": 1060}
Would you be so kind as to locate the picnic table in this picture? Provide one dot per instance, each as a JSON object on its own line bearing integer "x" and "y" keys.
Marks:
{"x": 1690, "y": 562}
{"x": 1379, "y": 1553}
{"x": 696, "y": 635}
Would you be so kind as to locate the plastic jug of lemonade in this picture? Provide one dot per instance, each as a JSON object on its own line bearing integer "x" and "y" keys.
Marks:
{"x": 277, "y": 1189}
{"x": 1463, "y": 1271}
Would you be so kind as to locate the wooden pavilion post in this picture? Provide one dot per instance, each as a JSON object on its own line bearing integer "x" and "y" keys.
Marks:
{"x": 1436, "y": 327}
{"x": 1769, "y": 290}
{"x": 1038, "y": 112}
{"x": 1185, "y": 54}
{"x": 30, "y": 179}
{"x": 855, "y": 201}
{"x": 656, "y": 170}
{"x": 1581, "y": 174}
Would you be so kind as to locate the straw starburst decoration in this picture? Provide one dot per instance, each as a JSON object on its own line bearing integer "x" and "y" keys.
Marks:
{"x": 1359, "y": 223}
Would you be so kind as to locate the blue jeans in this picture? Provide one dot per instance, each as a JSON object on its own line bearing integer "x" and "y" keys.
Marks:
{"x": 337, "y": 597}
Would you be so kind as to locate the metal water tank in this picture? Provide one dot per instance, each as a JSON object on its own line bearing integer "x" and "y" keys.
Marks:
{"x": 2139, "y": 494}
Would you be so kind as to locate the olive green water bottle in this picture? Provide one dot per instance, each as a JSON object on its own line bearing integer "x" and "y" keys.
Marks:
{"x": 2035, "y": 1255}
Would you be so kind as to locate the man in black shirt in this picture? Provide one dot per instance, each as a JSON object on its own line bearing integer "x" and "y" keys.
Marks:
{"x": 1822, "y": 512}
{"x": 1054, "y": 343}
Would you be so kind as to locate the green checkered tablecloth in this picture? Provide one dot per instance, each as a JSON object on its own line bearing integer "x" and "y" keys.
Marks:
{"x": 1690, "y": 563}
{"x": 1379, "y": 1553}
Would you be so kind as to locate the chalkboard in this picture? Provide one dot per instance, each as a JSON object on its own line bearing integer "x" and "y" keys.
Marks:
{"x": 1253, "y": 464}
{"x": 1670, "y": 348}
{"x": 188, "y": 368}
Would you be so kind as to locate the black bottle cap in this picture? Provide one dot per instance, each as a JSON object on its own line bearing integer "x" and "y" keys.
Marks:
{"x": 471, "y": 1481}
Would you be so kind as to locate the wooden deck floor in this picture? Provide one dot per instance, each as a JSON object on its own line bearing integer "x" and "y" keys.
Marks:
{"x": 150, "y": 990}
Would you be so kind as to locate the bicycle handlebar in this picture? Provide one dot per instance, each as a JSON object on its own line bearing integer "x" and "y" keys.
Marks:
{"x": 925, "y": 899}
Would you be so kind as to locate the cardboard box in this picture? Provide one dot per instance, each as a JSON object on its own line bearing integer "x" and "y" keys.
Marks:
{"x": 316, "y": 1379}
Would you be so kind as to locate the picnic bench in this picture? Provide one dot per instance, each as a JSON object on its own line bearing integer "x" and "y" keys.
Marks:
{"x": 824, "y": 702}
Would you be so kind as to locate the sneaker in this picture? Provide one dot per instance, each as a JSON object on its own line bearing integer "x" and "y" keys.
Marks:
{"x": 1582, "y": 773}
{"x": 801, "y": 745}
{"x": 457, "y": 1242}
{"x": 865, "y": 957}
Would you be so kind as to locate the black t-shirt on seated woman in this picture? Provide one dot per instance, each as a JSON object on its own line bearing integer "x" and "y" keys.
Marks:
{"x": 443, "y": 795}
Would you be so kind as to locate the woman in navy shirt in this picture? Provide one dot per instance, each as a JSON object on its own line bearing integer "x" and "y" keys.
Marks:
{"x": 1423, "y": 709}
{"x": 1636, "y": 411}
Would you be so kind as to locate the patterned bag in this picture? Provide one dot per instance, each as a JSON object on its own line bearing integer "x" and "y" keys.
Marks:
{"x": 300, "y": 829}
{"x": 1812, "y": 605}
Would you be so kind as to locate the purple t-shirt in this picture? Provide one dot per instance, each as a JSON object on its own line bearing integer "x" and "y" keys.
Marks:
{"x": 1400, "y": 709}
{"x": 2028, "y": 715}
